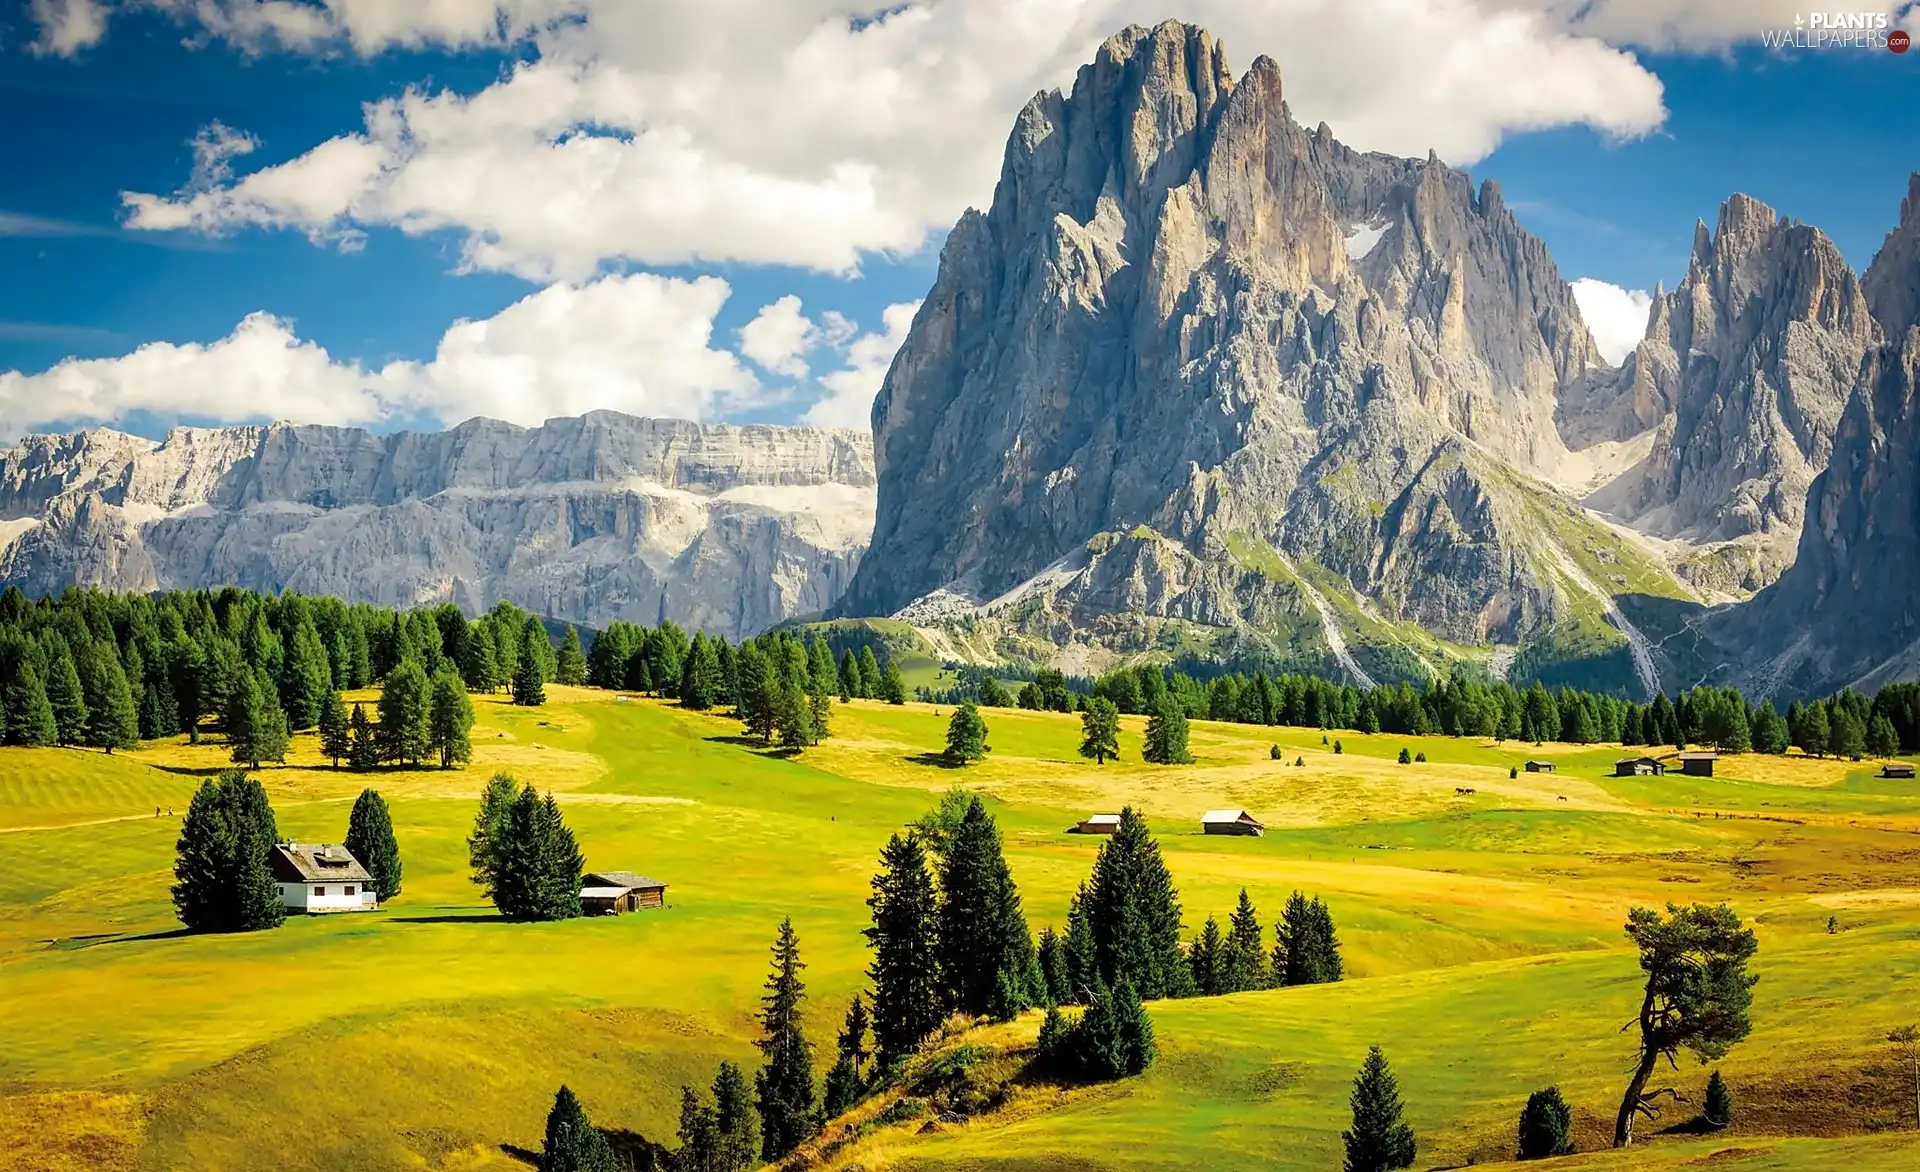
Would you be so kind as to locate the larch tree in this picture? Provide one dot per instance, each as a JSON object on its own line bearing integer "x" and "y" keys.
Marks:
{"x": 1697, "y": 996}
{"x": 1100, "y": 730}
{"x": 370, "y": 840}
{"x": 905, "y": 939}
{"x": 306, "y": 678}
{"x": 256, "y": 727}
{"x": 783, "y": 1088}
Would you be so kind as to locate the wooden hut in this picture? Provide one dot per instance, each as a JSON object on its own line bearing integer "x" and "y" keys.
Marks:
{"x": 1699, "y": 763}
{"x": 613, "y": 892}
{"x": 1639, "y": 767}
{"x": 1539, "y": 767}
{"x": 1098, "y": 824}
{"x": 1897, "y": 769}
{"x": 1231, "y": 822}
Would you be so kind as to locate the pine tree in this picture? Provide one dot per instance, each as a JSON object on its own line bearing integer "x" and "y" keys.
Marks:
{"x": 66, "y": 696}
{"x": 1166, "y": 740}
{"x": 1052, "y": 959}
{"x": 1882, "y": 741}
{"x": 336, "y": 739}
{"x": 492, "y": 833}
{"x": 1207, "y": 960}
{"x": 983, "y": 941}
{"x": 112, "y": 720}
{"x": 1133, "y": 913}
{"x": 1718, "y": 1107}
{"x": 539, "y": 870}
{"x": 1100, "y": 730}
{"x": 30, "y": 718}
{"x": 792, "y": 715}
{"x": 478, "y": 666}
{"x": 700, "y": 683}
{"x": 370, "y": 840}
{"x": 849, "y": 676}
{"x": 306, "y": 678}
{"x": 572, "y": 1143}
{"x": 1378, "y": 1141}
{"x": 570, "y": 665}
{"x": 363, "y": 744}
{"x": 783, "y": 1089}
{"x": 1814, "y": 734}
{"x": 1246, "y": 953}
{"x": 905, "y": 940}
{"x": 871, "y": 679}
{"x": 1848, "y": 737}
{"x": 1544, "y": 1124}
{"x": 1306, "y": 951}
{"x": 256, "y": 727}
{"x": 966, "y": 736}
{"x": 893, "y": 689}
{"x": 822, "y": 676}
{"x": 737, "y": 1128}
{"x": 406, "y": 714}
{"x": 1769, "y": 731}
{"x": 222, "y": 879}
{"x": 450, "y": 718}
{"x": 846, "y": 1081}
{"x": 529, "y": 684}
{"x": 699, "y": 1134}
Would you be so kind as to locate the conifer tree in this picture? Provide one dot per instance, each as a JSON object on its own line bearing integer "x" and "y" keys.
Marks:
{"x": 1246, "y": 953}
{"x": 66, "y": 696}
{"x": 1166, "y": 739}
{"x": 1882, "y": 741}
{"x": 30, "y": 718}
{"x": 1813, "y": 735}
{"x": 363, "y": 742}
{"x": 572, "y": 1143}
{"x": 336, "y": 739}
{"x": 755, "y": 692}
{"x": 1079, "y": 951}
{"x": 736, "y": 1126}
{"x": 306, "y": 677}
{"x": 792, "y": 715}
{"x": 406, "y": 714}
{"x": 846, "y": 1081}
{"x": 1544, "y": 1124}
{"x": 222, "y": 880}
{"x": 478, "y": 666}
{"x": 1206, "y": 958}
{"x": 1769, "y": 731}
{"x": 113, "y": 722}
{"x": 966, "y": 736}
{"x": 871, "y": 678}
{"x": 822, "y": 676}
{"x": 1848, "y": 736}
{"x": 529, "y": 683}
{"x": 370, "y": 840}
{"x": 905, "y": 940}
{"x": 492, "y": 832}
{"x": 570, "y": 665}
{"x": 256, "y": 727}
{"x": 539, "y": 870}
{"x": 1306, "y": 951}
{"x": 1133, "y": 913}
{"x": 699, "y": 1134}
{"x": 849, "y": 676}
{"x": 893, "y": 689}
{"x": 1717, "y": 1110}
{"x": 783, "y": 1089}
{"x": 1052, "y": 958}
{"x": 700, "y": 679}
{"x": 450, "y": 718}
{"x": 983, "y": 939}
{"x": 1379, "y": 1140}
{"x": 1100, "y": 730}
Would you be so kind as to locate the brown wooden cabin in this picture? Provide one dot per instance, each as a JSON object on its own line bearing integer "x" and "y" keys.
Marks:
{"x": 1897, "y": 769}
{"x": 1698, "y": 764}
{"x": 1098, "y": 824}
{"x": 1231, "y": 822}
{"x": 1539, "y": 767}
{"x": 613, "y": 892}
{"x": 1639, "y": 767}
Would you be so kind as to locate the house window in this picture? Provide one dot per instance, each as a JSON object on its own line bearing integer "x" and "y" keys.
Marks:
{"x": 319, "y": 891}
{"x": 349, "y": 890}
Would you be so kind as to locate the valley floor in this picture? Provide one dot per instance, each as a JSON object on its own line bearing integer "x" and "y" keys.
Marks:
{"x": 1480, "y": 917}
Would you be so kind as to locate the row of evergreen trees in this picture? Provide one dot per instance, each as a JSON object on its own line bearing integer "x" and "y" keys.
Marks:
{"x": 522, "y": 854}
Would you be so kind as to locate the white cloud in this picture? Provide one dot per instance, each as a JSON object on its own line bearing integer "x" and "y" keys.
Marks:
{"x": 1616, "y": 317}
{"x": 638, "y": 343}
{"x": 779, "y": 336}
{"x": 67, "y": 26}
{"x": 782, "y": 132}
{"x": 850, "y": 390}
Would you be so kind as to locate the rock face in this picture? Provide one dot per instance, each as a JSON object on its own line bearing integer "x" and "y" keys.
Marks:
{"x": 730, "y": 529}
{"x": 1187, "y": 313}
{"x": 1848, "y": 611}
{"x": 1742, "y": 377}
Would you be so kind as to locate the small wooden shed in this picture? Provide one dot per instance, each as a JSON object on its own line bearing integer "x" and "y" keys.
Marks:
{"x": 613, "y": 892}
{"x": 1231, "y": 822}
{"x": 1897, "y": 769}
{"x": 1698, "y": 763}
{"x": 1539, "y": 767}
{"x": 1098, "y": 824}
{"x": 1639, "y": 767}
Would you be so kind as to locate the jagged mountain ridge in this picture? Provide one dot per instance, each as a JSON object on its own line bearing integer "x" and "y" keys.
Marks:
{"x": 605, "y": 516}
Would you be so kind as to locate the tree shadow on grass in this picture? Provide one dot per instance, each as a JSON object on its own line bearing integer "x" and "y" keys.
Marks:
{"x": 451, "y": 918}
{"x": 936, "y": 760}
{"x": 100, "y": 938}
{"x": 757, "y": 746}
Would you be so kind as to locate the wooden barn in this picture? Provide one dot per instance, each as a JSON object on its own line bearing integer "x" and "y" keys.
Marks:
{"x": 1098, "y": 824}
{"x": 1231, "y": 822}
{"x": 1539, "y": 767}
{"x": 613, "y": 892}
{"x": 1897, "y": 769}
{"x": 1639, "y": 767}
{"x": 1698, "y": 764}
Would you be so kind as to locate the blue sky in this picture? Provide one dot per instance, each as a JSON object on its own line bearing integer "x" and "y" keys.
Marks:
{"x": 1652, "y": 130}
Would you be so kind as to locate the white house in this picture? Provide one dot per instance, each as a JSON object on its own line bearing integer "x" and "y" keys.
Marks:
{"x": 321, "y": 877}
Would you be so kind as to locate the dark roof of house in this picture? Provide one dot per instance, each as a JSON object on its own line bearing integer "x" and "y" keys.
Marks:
{"x": 627, "y": 879}
{"x": 316, "y": 862}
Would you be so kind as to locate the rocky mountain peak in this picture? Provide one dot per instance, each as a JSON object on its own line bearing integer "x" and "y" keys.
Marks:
{"x": 1892, "y": 281}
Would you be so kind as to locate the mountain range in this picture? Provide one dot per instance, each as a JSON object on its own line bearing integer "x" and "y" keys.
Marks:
{"x": 1200, "y": 384}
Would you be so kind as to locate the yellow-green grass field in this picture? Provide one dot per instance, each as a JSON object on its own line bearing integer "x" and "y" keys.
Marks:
{"x": 1480, "y": 917}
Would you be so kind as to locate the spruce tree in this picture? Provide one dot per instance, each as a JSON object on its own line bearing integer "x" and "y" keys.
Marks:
{"x": 1848, "y": 737}
{"x": 1052, "y": 958}
{"x": 1544, "y": 1124}
{"x": 539, "y": 870}
{"x": 570, "y": 665}
{"x": 363, "y": 743}
{"x": 1378, "y": 1141}
{"x": 112, "y": 720}
{"x": 1813, "y": 735}
{"x": 306, "y": 677}
{"x": 406, "y": 714}
{"x": 1100, "y": 730}
{"x": 450, "y": 718}
{"x": 871, "y": 678}
{"x": 849, "y": 676}
{"x": 256, "y": 727}
{"x": 492, "y": 833}
{"x": 966, "y": 736}
{"x": 478, "y": 666}
{"x": 893, "y": 689}
{"x": 1882, "y": 741}
{"x": 783, "y": 1088}
{"x": 1166, "y": 739}
{"x": 30, "y": 718}
{"x": 846, "y": 1081}
{"x": 529, "y": 684}
{"x": 370, "y": 840}
{"x": 698, "y": 1133}
{"x": 1717, "y": 1110}
{"x": 1206, "y": 958}
{"x": 572, "y": 1143}
{"x": 65, "y": 694}
{"x": 336, "y": 734}
{"x": 905, "y": 938}
{"x": 1133, "y": 912}
{"x": 792, "y": 715}
{"x": 983, "y": 941}
{"x": 223, "y": 881}
{"x": 1246, "y": 954}
{"x": 736, "y": 1126}
{"x": 1306, "y": 951}
{"x": 700, "y": 681}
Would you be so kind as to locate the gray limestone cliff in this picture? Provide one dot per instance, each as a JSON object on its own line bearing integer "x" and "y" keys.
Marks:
{"x": 730, "y": 529}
